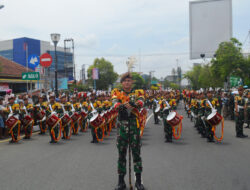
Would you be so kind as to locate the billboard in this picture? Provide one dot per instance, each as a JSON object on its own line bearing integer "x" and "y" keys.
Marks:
{"x": 210, "y": 23}
{"x": 95, "y": 74}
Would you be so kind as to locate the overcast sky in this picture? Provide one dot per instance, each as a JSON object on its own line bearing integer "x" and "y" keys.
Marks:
{"x": 157, "y": 30}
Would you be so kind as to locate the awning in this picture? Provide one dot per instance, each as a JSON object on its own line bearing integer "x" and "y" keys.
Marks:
{"x": 17, "y": 81}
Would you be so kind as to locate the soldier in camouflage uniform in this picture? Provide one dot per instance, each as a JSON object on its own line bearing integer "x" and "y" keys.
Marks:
{"x": 165, "y": 111}
{"x": 239, "y": 113}
{"x": 128, "y": 129}
{"x": 248, "y": 109}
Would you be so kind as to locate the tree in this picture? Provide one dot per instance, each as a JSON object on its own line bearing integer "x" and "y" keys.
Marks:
{"x": 229, "y": 61}
{"x": 107, "y": 76}
{"x": 166, "y": 83}
{"x": 174, "y": 86}
{"x": 193, "y": 76}
{"x": 207, "y": 78}
{"x": 139, "y": 82}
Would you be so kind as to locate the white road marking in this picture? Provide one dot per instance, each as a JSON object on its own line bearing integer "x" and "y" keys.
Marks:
{"x": 148, "y": 118}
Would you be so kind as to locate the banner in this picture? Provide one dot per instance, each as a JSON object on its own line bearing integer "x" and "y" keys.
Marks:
{"x": 95, "y": 74}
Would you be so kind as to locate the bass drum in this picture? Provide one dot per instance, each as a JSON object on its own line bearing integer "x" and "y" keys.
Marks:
{"x": 214, "y": 118}
{"x": 174, "y": 118}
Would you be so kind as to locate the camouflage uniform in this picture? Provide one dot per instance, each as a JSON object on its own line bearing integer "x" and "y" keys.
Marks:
{"x": 128, "y": 123}
{"x": 248, "y": 111}
{"x": 239, "y": 120}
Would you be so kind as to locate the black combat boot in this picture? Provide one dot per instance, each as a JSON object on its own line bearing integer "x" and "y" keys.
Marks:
{"x": 244, "y": 136}
{"x": 138, "y": 184}
{"x": 121, "y": 183}
{"x": 1, "y": 133}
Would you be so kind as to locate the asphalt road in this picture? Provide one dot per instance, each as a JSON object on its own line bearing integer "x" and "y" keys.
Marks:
{"x": 187, "y": 164}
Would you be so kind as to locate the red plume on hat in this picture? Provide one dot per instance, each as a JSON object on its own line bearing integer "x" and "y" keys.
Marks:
{"x": 79, "y": 95}
{"x": 85, "y": 95}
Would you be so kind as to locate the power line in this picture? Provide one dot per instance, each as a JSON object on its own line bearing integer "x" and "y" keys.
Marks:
{"x": 143, "y": 55}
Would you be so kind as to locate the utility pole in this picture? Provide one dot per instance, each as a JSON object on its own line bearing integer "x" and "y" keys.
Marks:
{"x": 151, "y": 75}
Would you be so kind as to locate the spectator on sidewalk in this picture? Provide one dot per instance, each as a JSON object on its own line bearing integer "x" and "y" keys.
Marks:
{"x": 1, "y": 118}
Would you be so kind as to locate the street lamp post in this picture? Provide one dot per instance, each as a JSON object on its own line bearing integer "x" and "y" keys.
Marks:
{"x": 55, "y": 39}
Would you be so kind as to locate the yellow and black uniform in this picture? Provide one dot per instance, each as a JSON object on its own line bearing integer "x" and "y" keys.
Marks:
{"x": 76, "y": 126}
{"x": 166, "y": 107}
{"x": 26, "y": 119}
{"x": 208, "y": 111}
{"x": 14, "y": 110}
{"x": 97, "y": 133}
{"x": 55, "y": 130}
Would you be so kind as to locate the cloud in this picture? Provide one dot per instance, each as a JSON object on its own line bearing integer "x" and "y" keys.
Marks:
{"x": 182, "y": 41}
{"x": 114, "y": 29}
{"x": 89, "y": 41}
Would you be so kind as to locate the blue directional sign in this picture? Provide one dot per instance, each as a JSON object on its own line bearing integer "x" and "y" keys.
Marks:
{"x": 33, "y": 61}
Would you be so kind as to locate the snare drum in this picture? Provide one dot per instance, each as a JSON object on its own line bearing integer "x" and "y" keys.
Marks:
{"x": 65, "y": 119}
{"x": 40, "y": 115}
{"x": 52, "y": 120}
{"x": 214, "y": 118}
{"x": 96, "y": 121}
{"x": 75, "y": 117}
{"x": 11, "y": 122}
{"x": 27, "y": 120}
{"x": 84, "y": 114}
{"x": 157, "y": 109}
{"x": 174, "y": 118}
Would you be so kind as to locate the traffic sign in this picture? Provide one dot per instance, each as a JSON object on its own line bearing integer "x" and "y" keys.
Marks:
{"x": 235, "y": 81}
{"x": 33, "y": 61}
{"x": 31, "y": 76}
{"x": 45, "y": 60}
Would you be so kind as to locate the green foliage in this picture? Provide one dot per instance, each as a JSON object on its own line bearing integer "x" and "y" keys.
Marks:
{"x": 139, "y": 82}
{"x": 166, "y": 83}
{"x": 193, "y": 76}
{"x": 107, "y": 76}
{"x": 229, "y": 61}
{"x": 174, "y": 86}
{"x": 79, "y": 87}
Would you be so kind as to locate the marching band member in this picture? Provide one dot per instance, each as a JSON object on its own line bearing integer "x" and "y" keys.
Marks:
{"x": 208, "y": 110}
{"x": 201, "y": 115}
{"x": 26, "y": 111}
{"x": 66, "y": 120}
{"x": 39, "y": 110}
{"x": 53, "y": 121}
{"x": 165, "y": 111}
{"x": 13, "y": 110}
{"x": 156, "y": 108}
{"x": 128, "y": 103}
{"x": 77, "y": 109}
{"x": 247, "y": 107}
{"x": 239, "y": 113}
{"x": 84, "y": 108}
